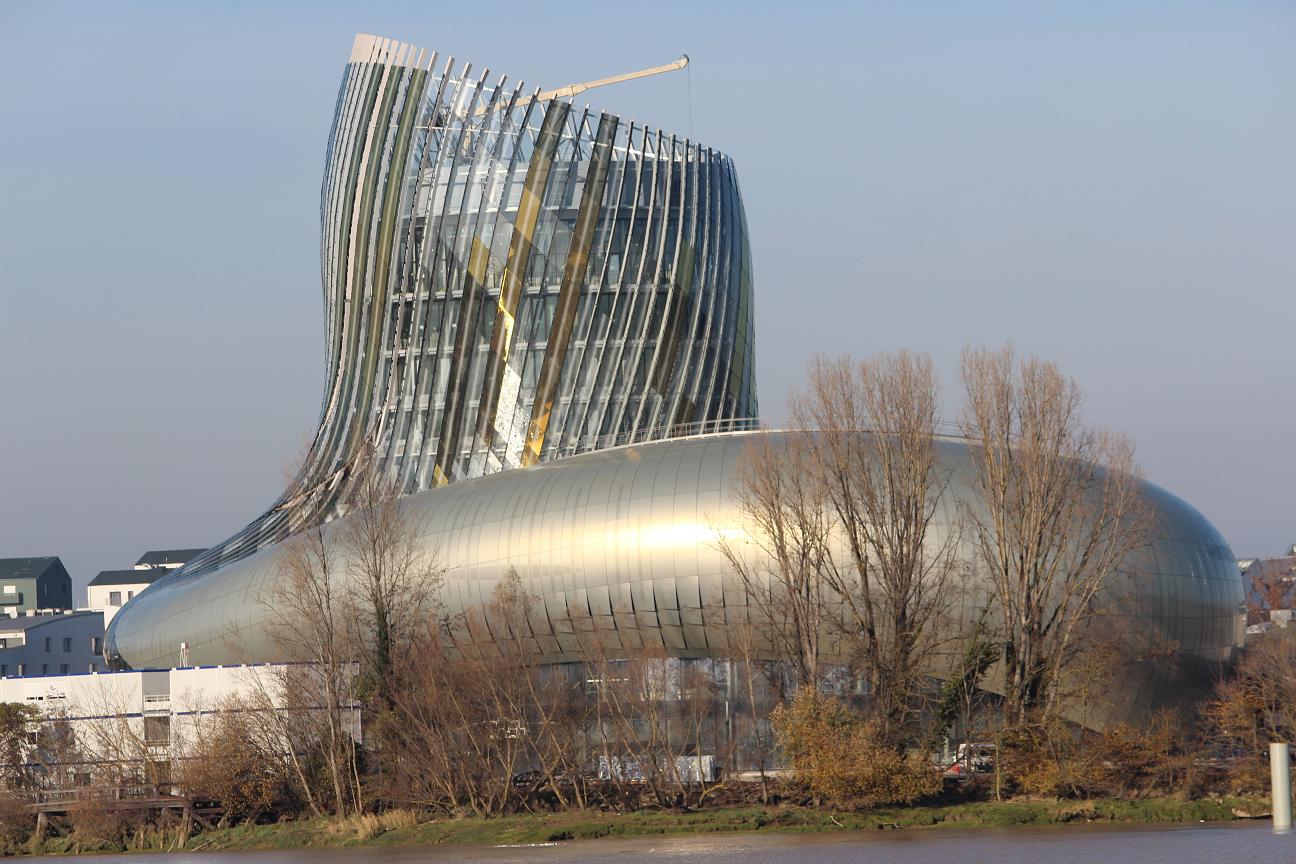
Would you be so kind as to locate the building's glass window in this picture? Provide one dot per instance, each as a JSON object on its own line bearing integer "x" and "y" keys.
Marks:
{"x": 45, "y": 668}
{"x": 4, "y": 670}
{"x": 11, "y": 589}
{"x": 157, "y": 730}
{"x": 96, "y": 647}
{"x": 48, "y": 643}
{"x": 63, "y": 668}
{"x": 22, "y": 669}
{"x": 67, "y": 644}
{"x": 114, "y": 598}
{"x": 94, "y": 667}
{"x": 130, "y": 595}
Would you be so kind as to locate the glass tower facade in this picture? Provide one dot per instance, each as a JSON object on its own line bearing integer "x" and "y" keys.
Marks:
{"x": 507, "y": 281}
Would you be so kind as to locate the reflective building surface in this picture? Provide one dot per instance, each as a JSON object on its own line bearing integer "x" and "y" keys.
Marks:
{"x": 539, "y": 322}
{"x": 625, "y": 543}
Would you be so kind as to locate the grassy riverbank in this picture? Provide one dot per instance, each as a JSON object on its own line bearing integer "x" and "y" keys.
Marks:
{"x": 404, "y": 829}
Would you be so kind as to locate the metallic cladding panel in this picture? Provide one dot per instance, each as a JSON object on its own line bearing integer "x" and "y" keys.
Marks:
{"x": 573, "y": 279}
{"x": 507, "y": 282}
{"x": 627, "y": 537}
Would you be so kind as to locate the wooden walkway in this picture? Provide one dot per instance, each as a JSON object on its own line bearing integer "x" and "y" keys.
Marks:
{"x": 169, "y": 808}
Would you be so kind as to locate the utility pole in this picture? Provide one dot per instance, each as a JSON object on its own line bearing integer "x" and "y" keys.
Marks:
{"x": 1280, "y": 783}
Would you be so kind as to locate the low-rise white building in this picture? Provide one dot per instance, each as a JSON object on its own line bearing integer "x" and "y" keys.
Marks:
{"x": 151, "y": 715}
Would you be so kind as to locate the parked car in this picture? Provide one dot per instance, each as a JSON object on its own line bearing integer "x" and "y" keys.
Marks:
{"x": 971, "y": 758}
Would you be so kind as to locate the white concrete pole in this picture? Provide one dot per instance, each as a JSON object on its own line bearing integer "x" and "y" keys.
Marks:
{"x": 1280, "y": 782}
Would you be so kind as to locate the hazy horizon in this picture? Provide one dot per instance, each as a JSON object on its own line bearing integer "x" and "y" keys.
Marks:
{"x": 1109, "y": 186}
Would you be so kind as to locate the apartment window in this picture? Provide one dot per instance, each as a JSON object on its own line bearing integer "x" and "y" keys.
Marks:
{"x": 114, "y": 598}
{"x": 48, "y": 643}
{"x": 4, "y": 670}
{"x": 157, "y": 730}
{"x": 130, "y": 595}
{"x": 22, "y": 669}
{"x": 11, "y": 589}
{"x": 63, "y": 668}
{"x": 96, "y": 647}
{"x": 45, "y": 667}
{"x": 94, "y": 667}
{"x": 67, "y": 644}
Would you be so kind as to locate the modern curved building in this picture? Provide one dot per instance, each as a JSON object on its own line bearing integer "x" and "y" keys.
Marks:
{"x": 540, "y": 322}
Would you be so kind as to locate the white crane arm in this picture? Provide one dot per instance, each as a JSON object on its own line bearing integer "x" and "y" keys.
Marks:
{"x": 572, "y": 89}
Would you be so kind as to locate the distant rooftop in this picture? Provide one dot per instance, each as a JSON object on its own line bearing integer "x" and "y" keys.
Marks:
{"x": 10, "y": 623}
{"x": 167, "y": 557}
{"x": 27, "y": 568}
{"x": 138, "y": 576}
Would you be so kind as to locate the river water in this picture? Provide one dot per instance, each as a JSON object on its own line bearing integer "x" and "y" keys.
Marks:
{"x": 1068, "y": 844}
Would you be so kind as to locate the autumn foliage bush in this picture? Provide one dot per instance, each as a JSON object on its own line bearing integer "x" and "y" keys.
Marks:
{"x": 837, "y": 755}
{"x": 99, "y": 825}
{"x": 230, "y": 761}
{"x": 16, "y": 822}
{"x": 1252, "y": 707}
{"x": 1052, "y": 758}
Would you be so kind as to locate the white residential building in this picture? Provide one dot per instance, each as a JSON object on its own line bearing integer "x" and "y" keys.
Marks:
{"x": 113, "y": 589}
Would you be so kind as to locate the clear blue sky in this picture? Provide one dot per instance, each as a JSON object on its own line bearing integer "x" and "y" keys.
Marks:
{"x": 1108, "y": 185}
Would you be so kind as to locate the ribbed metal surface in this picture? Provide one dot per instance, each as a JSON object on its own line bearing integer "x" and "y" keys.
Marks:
{"x": 624, "y": 543}
{"x": 507, "y": 281}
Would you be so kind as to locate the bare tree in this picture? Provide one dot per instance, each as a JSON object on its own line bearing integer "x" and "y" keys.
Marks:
{"x": 349, "y": 605}
{"x": 396, "y": 578}
{"x": 557, "y": 713}
{"x": 874, "y": 429}
{"x": 655, "y": 720}
{"x": 313, "y": 699}
{"x": 784, "y": 562}
{"x": 751, "y": 737}
{"x": 124, "y": 747}
{"x": 456, "y": 735}
{"x": 1058, "y": 512}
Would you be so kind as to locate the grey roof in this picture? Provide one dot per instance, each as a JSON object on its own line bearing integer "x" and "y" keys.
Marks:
{"x": 27, "y": 568}
{"x": 162, "y": 557}
{"x": 1256, "y": 567}
{"x": 125, "y": 577}
{"x": 27, "y": 622}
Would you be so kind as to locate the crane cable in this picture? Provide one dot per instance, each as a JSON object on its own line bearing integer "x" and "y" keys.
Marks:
{"x": 688, "y": 78}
